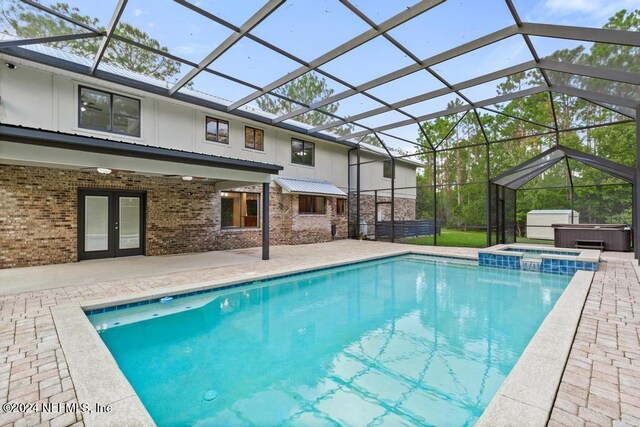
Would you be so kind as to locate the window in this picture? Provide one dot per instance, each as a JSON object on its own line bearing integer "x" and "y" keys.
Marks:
{"x": 217, "y": 130}
{"x": 108, "y": 112}
{"x": 341, "y": 205}
{"x": 311, "y": 204}
{"x": 254, "y": 138}
{"x": 240, "y": 210}
{"x": 387, "y": 169}
{"x": 302, "y": 152}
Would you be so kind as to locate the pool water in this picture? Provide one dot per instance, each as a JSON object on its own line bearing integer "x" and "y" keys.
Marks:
{"x": 401, "y": 341}
{"x": 536, "y": 253}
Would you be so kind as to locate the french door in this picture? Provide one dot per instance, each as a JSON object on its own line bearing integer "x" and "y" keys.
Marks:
{"x": 110, "y": 223}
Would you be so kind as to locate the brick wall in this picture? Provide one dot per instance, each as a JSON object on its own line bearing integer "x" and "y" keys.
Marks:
{"x": 38, "y": 215}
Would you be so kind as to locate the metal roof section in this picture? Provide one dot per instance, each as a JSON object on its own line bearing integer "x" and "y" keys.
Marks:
{"x": 46, "y": 138}
{"x": 308, "y": 186}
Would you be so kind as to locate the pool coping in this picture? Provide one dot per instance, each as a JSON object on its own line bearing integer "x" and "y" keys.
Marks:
{"x": 586, "y": 255}
{"x": 529, "y": 391}
{"x": 98, "y": 379}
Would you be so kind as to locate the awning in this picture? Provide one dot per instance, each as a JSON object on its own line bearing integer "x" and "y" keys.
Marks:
{"x": 309, "y": 186}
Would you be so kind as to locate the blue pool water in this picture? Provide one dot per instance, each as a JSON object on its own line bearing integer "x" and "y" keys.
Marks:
{"x": 401, "y": 341}
{"x": 537, "y": 252}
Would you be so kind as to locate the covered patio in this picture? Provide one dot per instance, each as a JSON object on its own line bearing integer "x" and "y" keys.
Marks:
{"x": 165, "y": 182}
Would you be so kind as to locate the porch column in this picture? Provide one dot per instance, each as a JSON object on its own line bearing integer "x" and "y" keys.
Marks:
{"x": 635, "y": 209}
{"x": 265, "y": 220}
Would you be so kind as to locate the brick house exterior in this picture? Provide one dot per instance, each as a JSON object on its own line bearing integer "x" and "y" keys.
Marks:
{"x": 40, "y": 180}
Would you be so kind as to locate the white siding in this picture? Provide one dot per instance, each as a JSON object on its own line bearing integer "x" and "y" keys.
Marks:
{"x": 372, "y": 178}
{"x": 41, "y": 97}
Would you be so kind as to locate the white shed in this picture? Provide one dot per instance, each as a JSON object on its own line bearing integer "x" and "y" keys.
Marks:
{"x": 539, "y": 222}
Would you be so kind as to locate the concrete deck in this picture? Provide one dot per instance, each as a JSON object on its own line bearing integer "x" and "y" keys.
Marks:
{"x": 599, "y": 385}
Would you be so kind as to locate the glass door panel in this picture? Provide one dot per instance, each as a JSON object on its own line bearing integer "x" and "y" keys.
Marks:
{"x": 128, "y": 222}
{"x": 110, "y": 223}
{"x": 96, "y": 223}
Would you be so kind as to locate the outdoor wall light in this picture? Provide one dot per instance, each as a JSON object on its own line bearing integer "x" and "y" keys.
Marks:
{"x": 104, "y": 171}
{"x": 187, "y": 178}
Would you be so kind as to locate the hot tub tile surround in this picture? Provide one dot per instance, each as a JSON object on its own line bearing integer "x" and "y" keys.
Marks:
{"x": 498, "y": 256}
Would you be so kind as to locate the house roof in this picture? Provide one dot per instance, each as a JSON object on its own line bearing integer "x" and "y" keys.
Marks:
{"x": 99, "y": 145}
{"x": 308, "y": 186}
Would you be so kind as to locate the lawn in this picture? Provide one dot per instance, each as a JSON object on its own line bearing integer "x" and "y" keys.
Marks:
{"x": 468, "y": 239}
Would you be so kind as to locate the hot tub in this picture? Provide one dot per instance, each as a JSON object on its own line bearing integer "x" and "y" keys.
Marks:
{"x": 614, "y": 237}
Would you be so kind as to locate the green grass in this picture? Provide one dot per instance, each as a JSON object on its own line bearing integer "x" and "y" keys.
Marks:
{"x": 466, "y": 239}
{"x": 537, "y": 241}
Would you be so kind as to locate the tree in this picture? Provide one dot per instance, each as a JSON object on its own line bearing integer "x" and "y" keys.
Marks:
{"x": 464, "y": 205}
{"x": 26, "y": 22}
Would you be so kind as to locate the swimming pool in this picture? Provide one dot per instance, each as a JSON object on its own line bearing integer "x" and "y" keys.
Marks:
{"x": 406, "y": 340}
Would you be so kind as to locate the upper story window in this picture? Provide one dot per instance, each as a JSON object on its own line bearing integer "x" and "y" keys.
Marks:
{"x": 108, "y": 112}
{"x": 303, "y": 152}
{"x": 387, "y": 169}
{"x": 254, "y": 138}
{"x": 217, "y": 130}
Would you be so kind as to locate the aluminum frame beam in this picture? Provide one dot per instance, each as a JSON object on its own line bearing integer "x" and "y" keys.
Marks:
{"x": 596, "y": 96}
{"x": 113, "y": 24}
{"x": 594, "y": 35}
{"x": 447, "y": 112}
{"x": 505, "y": 72}
{"x": 49, "y": 39}
{"x": 589, "y": 71}
{"x": 62, "y": 16}
{"x": 355, "y": 42}
{"x": 410, "y": 69}
{"x": 229, "y": 42}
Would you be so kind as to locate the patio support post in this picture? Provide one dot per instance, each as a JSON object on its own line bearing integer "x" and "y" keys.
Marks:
{"x": 349, "y": 228}
{"x": 265, "y": 220}
{"x": 393, "y": 200}
{"x": 488, "y": 203}
{"x": 358, "y": 192}
{"x": 375, "y": 215}
{"x": 571, "y": 193}
{"x": 435, "y": 201}
{"x": 636, "y": 191}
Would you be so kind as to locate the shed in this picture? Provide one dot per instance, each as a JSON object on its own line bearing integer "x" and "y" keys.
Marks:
{"x": 539, "y": 222}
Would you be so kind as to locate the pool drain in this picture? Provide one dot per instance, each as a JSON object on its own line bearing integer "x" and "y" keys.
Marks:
{"x": 210, "y": 395}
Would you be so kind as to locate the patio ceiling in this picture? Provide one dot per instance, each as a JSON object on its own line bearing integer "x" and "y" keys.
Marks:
{"x": 386, "y": 77}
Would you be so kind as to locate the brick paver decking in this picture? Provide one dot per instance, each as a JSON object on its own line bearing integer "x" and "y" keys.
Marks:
{"x": 600, "y": 384}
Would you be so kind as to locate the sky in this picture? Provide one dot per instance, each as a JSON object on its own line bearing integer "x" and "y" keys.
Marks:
{"x": 308, "y": 28}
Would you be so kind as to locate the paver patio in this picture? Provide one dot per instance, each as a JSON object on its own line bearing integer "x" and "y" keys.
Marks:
{"x": 599, "y": 386}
